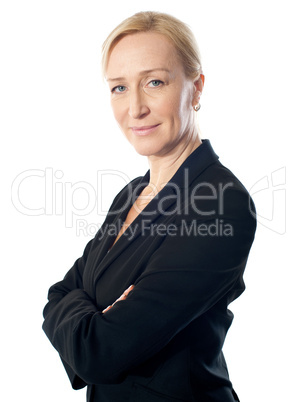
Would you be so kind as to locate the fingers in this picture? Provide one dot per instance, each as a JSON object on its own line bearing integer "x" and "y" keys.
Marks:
{"x": 106, "y": 309}
{"x": 122, "y": 297}
{"x": 125, "y": 294}
{"x": 127, "y": 291}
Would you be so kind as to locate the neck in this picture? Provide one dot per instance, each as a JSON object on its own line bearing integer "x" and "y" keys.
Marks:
{"x": 162, "y": 168}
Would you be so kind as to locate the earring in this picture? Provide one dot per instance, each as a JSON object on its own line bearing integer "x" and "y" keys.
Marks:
{"x": 197, "y": 107}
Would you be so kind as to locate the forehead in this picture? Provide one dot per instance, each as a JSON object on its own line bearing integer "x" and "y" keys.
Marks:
{"x": 142, "y": 51}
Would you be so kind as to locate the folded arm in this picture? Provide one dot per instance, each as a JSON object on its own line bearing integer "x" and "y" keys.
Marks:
{"x": 184, "y": 278}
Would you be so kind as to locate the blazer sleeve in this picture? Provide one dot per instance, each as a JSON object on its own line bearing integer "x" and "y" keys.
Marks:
{"x": 60, "y": 292}
{"x": 73, "y": 279}
{"x": 185, "y": 276}
{"x": 71, "y": 282}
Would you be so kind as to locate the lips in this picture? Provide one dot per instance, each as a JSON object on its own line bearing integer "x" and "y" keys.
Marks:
{"x": 144, "y": 130}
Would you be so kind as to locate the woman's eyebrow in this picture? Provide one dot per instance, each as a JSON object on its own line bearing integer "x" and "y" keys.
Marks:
{"x": 153, "y": 70}
{"x": 144, "y": 72}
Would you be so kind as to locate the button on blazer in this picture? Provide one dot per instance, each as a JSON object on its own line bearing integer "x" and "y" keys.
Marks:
{"x": 185, "y": 254}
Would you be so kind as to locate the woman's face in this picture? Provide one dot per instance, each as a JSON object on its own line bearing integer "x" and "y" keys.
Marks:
{"x": 151, "y": 97}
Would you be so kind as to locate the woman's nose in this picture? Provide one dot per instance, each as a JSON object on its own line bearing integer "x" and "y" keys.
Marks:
{"x": 137, "y": 107}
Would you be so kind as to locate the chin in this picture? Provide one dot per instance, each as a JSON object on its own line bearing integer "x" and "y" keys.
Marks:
{"x": 145, "y": 147}
{"x": 144, "y": 150}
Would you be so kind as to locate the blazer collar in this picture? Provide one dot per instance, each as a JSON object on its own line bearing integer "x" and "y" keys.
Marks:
{"x": 197, "y": 161}
{"x": 193, "y": 166}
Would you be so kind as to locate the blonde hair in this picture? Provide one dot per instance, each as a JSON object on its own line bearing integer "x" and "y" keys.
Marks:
{"x": 172, "y": 28}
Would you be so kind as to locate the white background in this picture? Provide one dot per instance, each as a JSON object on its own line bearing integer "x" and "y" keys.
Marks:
{"x": 55, "y": 114}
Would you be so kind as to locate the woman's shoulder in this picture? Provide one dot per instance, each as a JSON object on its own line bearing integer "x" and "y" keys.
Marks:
{"x": 218, "y": 192}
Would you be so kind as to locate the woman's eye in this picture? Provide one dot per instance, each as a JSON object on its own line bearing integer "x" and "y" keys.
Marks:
{"x": 155, "y": 83}
{"x": 118, "y": 89}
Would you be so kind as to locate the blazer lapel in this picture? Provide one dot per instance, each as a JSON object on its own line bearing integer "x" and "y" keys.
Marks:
{"x": 114, "y": 220}
{"x": 175, "y": 191}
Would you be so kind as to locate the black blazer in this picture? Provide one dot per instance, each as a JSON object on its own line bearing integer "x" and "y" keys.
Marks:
{"x": 185, "y": 254}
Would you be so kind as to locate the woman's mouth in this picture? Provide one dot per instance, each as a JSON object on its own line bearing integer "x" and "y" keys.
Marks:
{"x": 144, "y": 130}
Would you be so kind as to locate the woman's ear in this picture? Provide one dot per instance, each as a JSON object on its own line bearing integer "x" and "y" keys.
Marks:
{"x": 198, "y": 84}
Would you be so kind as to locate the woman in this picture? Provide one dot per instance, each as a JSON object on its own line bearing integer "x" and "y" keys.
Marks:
{"x": 142, "y": 315}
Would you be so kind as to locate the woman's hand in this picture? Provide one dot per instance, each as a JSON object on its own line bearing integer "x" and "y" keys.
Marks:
{"x": 122, "y": 297}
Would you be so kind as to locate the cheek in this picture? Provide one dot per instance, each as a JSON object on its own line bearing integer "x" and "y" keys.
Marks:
{"x": 175, "y": 112}
{"x": 177, "y": 103}
{"x": 166, "y": 107}
{"x": 185, "y": 107}
{"x": 180, "y": 109}
{"x": 118, "y": 111}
